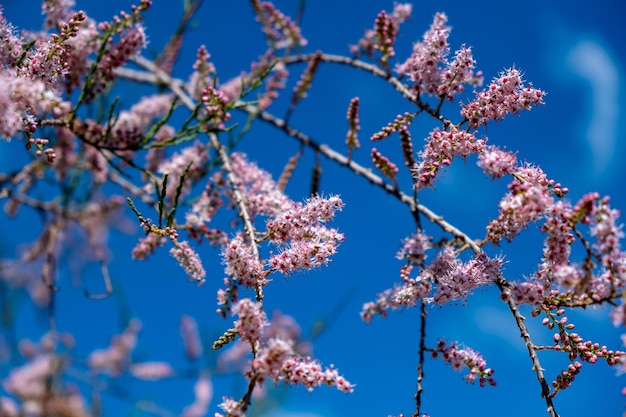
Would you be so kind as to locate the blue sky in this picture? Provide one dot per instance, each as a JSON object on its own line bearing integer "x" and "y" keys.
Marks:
{"x": 573, "y": 50}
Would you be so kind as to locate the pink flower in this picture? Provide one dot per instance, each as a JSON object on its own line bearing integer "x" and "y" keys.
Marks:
{"x": 115, "y": 359}
{"x": 423, "y": 65}
{"x": 241, "y": 263}
{"x": 258, "y": 188}
{"x": 462, "y": 278}
{"x": 402, "y": 11}
{"x": 190, "y": 261}
{"x": 440, "y": 149}
{"x": 191, "y": 161}
{"x": 252, "y": 320}
{"x": 30, "y": 379}
{"x": 231, "y": 407}
{"x": 296, "y": 221}
{"x": 309, "y": 372}
{"x": 527, "y": 292}
{"x": 191, "y": 337}
{"x": 526, "y": 202}
{"x": 281, "y": 31}
{"x": 151, "y": 371}
{"x": 497, "y": 162}
{"x": 414, "y": 249}
{"x": 459, "y": 357}
{"x": 506, "y": 94}
{"x": 203, "y": 392}
{"x": 147, "y": 245}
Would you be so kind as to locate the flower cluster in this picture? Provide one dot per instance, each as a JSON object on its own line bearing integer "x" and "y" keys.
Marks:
{"x": 251, "y": 320}
{"x": 190, "y": 261}
{"x": 459, "y": 357}
{"x": 115, "y": 359}
{"x": 241, "y": 264}
{"x": 414, "y": 249}
{"x": 131, "y": 38}
{"x": 429, "y": 68}
{"x": 497, "y": 162}
{"x": 451, "y": 278}
{"x": 274, "y": 354}
{"x": 505, "y": 95}
{"x": 280, "y": 31}
{"x": 440, "y": 149}
{"x": 388, "y": 168}
{"x": 528, "y": 198}
{"x": 382, "y": 38}
{"x": 352, "y": 140}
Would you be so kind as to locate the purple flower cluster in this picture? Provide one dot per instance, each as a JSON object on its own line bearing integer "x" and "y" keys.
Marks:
{"x": 430, "y": 70}
{"x": 458, "y": 358}
{"x": 505, "y": 95}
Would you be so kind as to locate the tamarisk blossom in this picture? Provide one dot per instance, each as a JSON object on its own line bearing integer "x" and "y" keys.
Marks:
{"x": 497, "y": 162}
{"x": 30, "y": 383}
{"x": 261, "y": 194}
{"x": 151, "y": 371}
{"x": 131, "y": 39}
{"x": 276, "y": 358}
{"x": 450, "y": 278}
{"x": 459, "y": 357}
{"x": 183, "y": 168}
{"x": 203, "y": 393}
{"x": 505, "y": 95}
{"x": 529, "y": 196}
{"x": 296, "y": 229}
{"x": 431, "y": 71}
{"x": 29, "y": 380}
{"x": 189, "y": 260}
{"x": 115, "y": 359}
{"x": 352, "y": 139}
{"x": 383, "y": 36}
{"x": 440, "y": 150}
{"x": 191, "y": 337}
{"x": 203, "y": 74}
{"x": 280, "y": 30}
{"x": 21, "y": 100}
{"x": 140, "y": 116}
{"x": 558, "y": 275}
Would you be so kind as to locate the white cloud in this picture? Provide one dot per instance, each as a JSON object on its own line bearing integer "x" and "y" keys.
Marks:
{"x": 588, "y": 60}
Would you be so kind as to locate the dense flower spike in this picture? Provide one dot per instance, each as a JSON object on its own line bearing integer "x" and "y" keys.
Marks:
{"x": 429, "y": 69}
{"x": 414, "y": 249}
{"x": 191, "y": 337}
{"x": 459, "y": 357}
{"x": 252, "y": 320}
{"x": 281, "y": 32}
{"x": 527, "y": 200}
{"x": 296, "y": 229}
{"x": 450, "y": 278}
{"x": 190, "y": 261}
{"x": 497, "y": 162}
{"x": 352, "y": 139}
{"x": 131, "y": 40}
{"x": 388, "y": 168}
{"x": 505, "y": 95}
{"x": 116, "y": 358}
{"x": 241, "y": 263}
{"x": 204, "y": 72}
{"x": 382, "y": 38}
{"x": 440, "y": 150}
{"x": 306, "y": 80}
{"x": 203, "y": 393}
{"x": 401, "y": 120}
